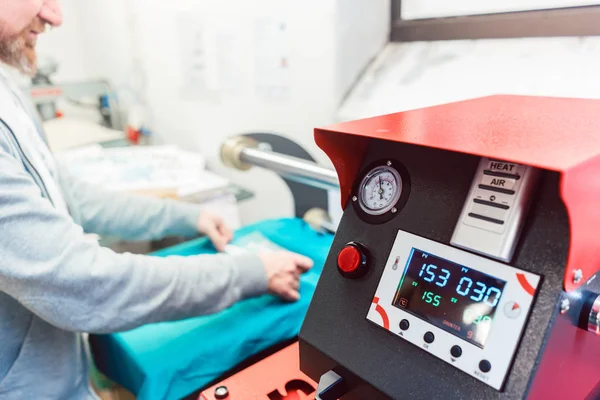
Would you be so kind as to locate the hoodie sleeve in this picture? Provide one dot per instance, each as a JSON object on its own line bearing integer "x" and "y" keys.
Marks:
{"x": 50, "y": 267}
{"x": 127, "y": 216}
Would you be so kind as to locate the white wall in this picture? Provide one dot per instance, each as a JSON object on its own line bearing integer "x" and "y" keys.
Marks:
{"x": 65, "y": 44}
{"x": 149, "y": 46}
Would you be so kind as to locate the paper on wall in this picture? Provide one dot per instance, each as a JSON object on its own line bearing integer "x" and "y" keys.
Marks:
{"x": 213, "y": 56}
{"x": 231, "y": 58}
{"x": 271, "y": 58}
{"x": 197, "y": 59}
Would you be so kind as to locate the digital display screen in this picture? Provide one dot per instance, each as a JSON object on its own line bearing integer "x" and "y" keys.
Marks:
{"x": 453, "y": 297}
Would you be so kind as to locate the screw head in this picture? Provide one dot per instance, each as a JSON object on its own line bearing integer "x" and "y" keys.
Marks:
{"x": 394, "y": 210}
{"x": 565, "y": 304}
{"x": 577, "y": 276}
{"x": 221, "y": 392}
{"x": 354, "y": 198}
{"x": 389, "y": 163}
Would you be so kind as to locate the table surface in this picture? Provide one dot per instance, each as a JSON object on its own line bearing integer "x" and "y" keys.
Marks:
{"x": 171, "y": 360}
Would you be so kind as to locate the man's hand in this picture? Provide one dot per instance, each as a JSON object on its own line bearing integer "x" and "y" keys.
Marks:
{"x": 213, "y": 226}
{"x": 283, "y": 271}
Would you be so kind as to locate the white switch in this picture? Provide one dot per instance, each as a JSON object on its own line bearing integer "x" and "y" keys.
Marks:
{"x": 497, "y": 214}
{"x": 495, "y": 209}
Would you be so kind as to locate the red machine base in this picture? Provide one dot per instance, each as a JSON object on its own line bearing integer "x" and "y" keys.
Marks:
{"x": 277, "y": 377}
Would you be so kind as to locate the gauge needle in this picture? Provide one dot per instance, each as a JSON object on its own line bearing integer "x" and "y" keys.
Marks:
{"x": 380, "y": 189}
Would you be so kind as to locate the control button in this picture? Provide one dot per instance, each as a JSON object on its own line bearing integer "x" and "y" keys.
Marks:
{"x": 485, "y": 366}
{"x": 488, "y": 219}
{"x": 501, "y": 200}
{"x": 429, "y": 337}
{"x": 404, "y": 324}
{"x": 502, "y": 174}
{"x": 498, "y": 182}
{"x": 456, "y": 351}
{"x": 496, "y": 189}
{"x": 352, "y": 260}
{"x": 349, "y": 259}
{"x": 492, "y": 203}
{"x": 512, "y": 310}
{"x": 489, "y": 211}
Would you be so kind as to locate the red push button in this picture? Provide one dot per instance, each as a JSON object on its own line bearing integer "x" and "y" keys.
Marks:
{"x": 352, "y": 260}
{"x": 349, "y": 259}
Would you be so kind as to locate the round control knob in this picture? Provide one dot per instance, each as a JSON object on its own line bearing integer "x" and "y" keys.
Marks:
{"x": 456, "y": 351}
{"x": 429, "y": 337}
{"x": 593, "y": 323}
{"x": 485, "y": 366}
{"x": 352, "y": 260}
{"x": 404, "y": 324}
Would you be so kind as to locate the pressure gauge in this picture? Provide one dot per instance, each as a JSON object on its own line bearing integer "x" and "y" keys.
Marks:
{"x": 380, "y": 190}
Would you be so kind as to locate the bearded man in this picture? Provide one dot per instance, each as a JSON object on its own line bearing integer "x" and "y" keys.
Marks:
{"x": 55, "y": 283}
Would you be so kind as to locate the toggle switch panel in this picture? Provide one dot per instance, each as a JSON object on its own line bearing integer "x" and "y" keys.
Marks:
{"x": 495, "y": 209}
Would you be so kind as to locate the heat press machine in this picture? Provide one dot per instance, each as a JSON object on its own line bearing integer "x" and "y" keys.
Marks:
{"x": 465, "y": 265}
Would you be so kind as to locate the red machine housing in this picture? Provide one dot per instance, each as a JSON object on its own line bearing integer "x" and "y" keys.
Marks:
{"x": 277, "y": 377}
{"x": 556, "y": 134}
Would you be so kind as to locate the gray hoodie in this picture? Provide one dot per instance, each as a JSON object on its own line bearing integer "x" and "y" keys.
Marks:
{"x": 56, "y": 284}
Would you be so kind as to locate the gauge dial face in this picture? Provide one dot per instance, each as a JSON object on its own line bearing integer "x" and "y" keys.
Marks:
{"x": 380, "y": 190}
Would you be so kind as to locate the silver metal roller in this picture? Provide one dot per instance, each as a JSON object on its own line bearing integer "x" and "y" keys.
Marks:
{"x": 242, "y": 153}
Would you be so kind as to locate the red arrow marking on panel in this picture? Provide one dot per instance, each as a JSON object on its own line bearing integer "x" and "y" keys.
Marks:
{"x": 525, "y": 284}
{"x": 382, "y": 313}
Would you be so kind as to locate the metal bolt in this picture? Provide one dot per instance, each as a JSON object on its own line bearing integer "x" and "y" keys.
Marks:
{"x": 577, "y": 276}
{"x": 354, "y": 198}
{"x": 394, "y": 210}
{"x": 565, "y": 304}
{"x": 389, "y": 163}
{"x": 221, "y": 392}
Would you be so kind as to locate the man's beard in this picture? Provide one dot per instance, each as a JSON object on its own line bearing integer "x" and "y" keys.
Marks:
{"x": 19, "y": 54}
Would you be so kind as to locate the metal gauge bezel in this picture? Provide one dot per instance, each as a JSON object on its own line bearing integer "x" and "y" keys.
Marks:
{"x": 381, "y": 169}
{"x": 400, "y": 197}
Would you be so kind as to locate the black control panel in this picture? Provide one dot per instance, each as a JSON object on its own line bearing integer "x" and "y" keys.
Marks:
{"x": 377, "y": 364}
